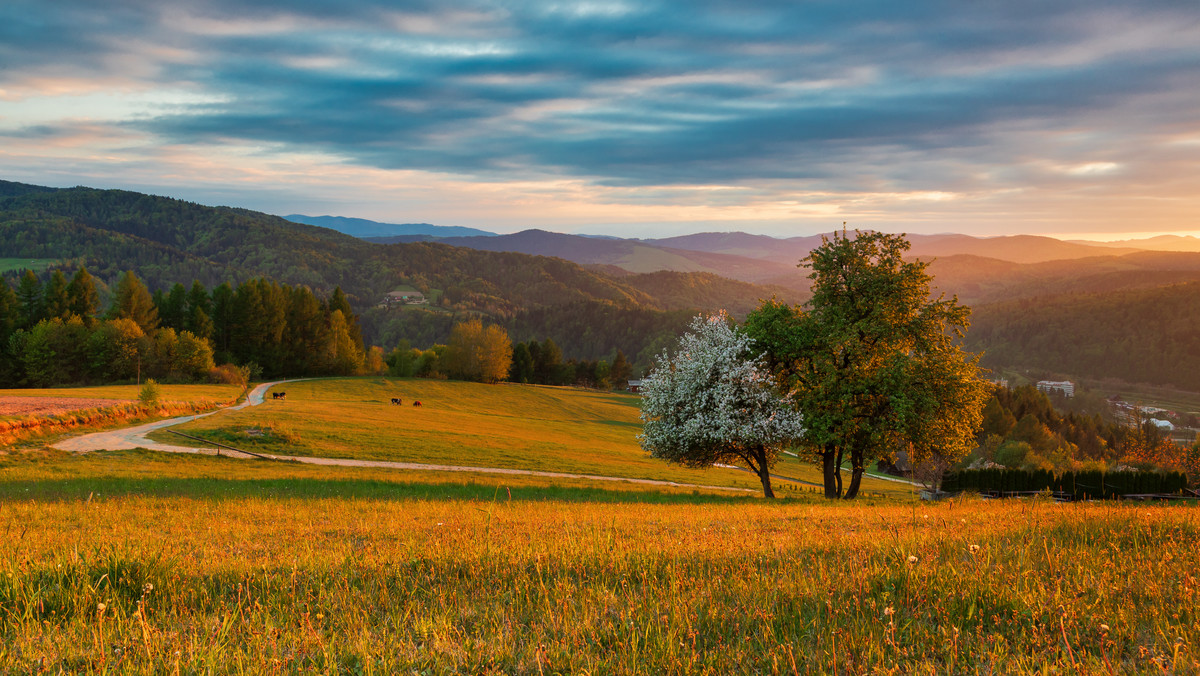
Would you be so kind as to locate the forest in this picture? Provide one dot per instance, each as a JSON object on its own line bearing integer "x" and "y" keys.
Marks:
{"x": 1139, "y": 334}
{"x": 1023, "y": 428}
{"x": 1147, "y": 335}
{"x": 590, "y": 314}
{"x": 55, "y": 333}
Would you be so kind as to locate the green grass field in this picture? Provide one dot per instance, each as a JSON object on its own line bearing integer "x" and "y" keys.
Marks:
{"x": 136, "y": 562}
{"x": 512, "y": 426}
{"x": 35, "y": 264}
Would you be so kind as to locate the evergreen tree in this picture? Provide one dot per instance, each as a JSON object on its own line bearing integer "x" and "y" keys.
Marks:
{"x": 56, "y": 301}
{"x": 521, "y": 370}
{"x": 82, "y": 297}
{"x": 132, "y": 300}
{"x": 222, "y": 320}
{"x": 29, "y": 293}
{"x": 620, "y": 371}
{"x": 199, "y": 320}
{"x": 338, "y": 301}
{"x": 548, "y": 367}
{"x": 172, "y": 309}
{"x": 10, "y": 313}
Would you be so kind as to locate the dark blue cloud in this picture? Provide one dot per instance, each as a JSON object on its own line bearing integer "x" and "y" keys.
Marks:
{"x": 638, "y": 93}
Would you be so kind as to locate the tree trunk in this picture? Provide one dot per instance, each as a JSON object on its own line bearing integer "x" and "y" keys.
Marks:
{"x": 831, "y": 459}
{"x": 855, "y": 479}
{"x": 763, "y": 471}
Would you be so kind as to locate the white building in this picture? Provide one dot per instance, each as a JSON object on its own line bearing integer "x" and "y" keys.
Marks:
{"x": 1067, "y": 387}
{"x": 1164, "y": 425}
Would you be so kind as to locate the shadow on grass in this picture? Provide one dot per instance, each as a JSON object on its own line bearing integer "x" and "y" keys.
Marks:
{"x": 80, "y": 488}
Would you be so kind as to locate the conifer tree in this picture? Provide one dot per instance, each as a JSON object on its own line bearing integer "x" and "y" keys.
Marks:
{"x": 132, "y": 300}
{"x": 82, "y": 297}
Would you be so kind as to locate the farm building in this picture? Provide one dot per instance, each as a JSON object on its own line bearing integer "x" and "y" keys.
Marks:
{"x": 403, "y": 298}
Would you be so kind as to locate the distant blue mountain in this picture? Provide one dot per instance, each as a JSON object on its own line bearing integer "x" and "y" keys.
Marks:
{"x": 361, "y": 227}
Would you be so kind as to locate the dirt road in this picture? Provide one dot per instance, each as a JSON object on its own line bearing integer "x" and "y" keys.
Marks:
{"x": 135, "y": 437}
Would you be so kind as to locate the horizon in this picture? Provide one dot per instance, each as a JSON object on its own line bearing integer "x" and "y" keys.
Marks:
{"x": 1074, "y": 121}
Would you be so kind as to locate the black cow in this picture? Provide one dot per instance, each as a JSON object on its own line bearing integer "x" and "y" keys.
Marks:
{"x": 396, "y": 401}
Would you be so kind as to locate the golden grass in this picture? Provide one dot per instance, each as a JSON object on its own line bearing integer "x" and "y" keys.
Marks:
{"x": 364, "y": 582}
{"x": 530, "y": 427}
{"x": 189, "y": 393}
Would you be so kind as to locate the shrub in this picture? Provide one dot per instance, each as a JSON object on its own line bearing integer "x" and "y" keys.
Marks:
{"x": 149, "y": 394}
{"x": 228, "y": 374}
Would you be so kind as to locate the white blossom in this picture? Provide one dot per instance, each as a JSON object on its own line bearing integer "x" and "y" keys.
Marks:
{"x": 713, "y": 398}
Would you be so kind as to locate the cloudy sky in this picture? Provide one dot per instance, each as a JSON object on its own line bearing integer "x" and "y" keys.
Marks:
{"x": 643, "y": 118}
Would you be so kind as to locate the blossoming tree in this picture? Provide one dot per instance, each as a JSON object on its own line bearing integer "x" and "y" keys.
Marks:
{"x": 713, "y": 402}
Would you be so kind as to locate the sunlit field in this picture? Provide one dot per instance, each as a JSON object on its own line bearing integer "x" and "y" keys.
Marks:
{"x": 527, "y": 427}
{"x": 138, "y": 562}
{"x": 34, "y": 417}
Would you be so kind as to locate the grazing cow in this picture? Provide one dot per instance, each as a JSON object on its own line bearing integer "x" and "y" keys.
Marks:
{"x": 416, "y": 403}
{"x": 283, "y": 395}
{"x": 274, "y": 395}
{"x": 396, "y": 401}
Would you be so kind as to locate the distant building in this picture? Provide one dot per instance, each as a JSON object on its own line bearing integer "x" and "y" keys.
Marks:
{"x": 403, "y": 298}
{"x": 634, "y": 386}
{"x": 1162, "y": 424}
{"x": 1065, "y": 386}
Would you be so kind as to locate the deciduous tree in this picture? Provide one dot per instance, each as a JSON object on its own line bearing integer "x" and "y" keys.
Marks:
{"x": 871, "y": 359}
{"x": 715, "y": 402}
{"x": 477, "y": 352}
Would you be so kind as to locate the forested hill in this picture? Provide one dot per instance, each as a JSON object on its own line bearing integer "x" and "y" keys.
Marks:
{"x": 1142, "y": 335}
{"x": 168, "y": 240}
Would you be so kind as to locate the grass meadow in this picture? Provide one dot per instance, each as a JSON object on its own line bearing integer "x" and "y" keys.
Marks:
{"x": 529, "y": 427}
{"x": 136, "y": 562}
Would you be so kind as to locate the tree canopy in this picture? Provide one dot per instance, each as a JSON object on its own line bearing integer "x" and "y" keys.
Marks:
{"x": 871, "y": 360}
{"x": 714, "y": 402}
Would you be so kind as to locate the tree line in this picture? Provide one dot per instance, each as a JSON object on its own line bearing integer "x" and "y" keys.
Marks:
{"x": 482, "y": 353}
{"x": 1022, "y": 429}
{"x": 53, "y": 332}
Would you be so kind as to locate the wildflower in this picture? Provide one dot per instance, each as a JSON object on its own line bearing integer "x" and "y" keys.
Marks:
{"x": 1104, "y": 628}
{"x": 100, "y": 607}
{"x": 912, "y": 559}
{"x": 889, "y": 611}
{"x": 974, "y": 548}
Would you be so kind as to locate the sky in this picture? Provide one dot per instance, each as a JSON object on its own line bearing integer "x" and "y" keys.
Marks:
{"x": 643, "y": 118}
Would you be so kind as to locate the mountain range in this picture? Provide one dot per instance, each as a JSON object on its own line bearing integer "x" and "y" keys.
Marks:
{"x": 1040, "y": 302}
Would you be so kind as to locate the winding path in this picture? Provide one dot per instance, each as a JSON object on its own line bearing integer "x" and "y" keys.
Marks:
{"x": 135, "y": 437}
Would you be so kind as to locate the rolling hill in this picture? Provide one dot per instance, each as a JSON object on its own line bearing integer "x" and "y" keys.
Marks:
{"x": 167, "y": 241}
{"x": 363, "y": 228}
{"x": 1026, "y": 309}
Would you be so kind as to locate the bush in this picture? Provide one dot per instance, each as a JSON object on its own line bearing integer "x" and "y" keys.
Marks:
{"x": 228, "y": 374}
{"x": 149, "y": 394}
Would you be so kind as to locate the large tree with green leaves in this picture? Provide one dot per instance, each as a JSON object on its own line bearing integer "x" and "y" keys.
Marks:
{"x": 871, "y": 361}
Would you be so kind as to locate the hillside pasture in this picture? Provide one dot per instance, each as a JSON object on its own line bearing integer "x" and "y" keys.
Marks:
{"x": 16, "y": 264}
{"x": 524, "y": 427}
{"x": 137, "y": 562}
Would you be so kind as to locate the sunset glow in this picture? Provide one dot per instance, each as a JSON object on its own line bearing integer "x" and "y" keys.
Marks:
{"x": 1078, "y": 119}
